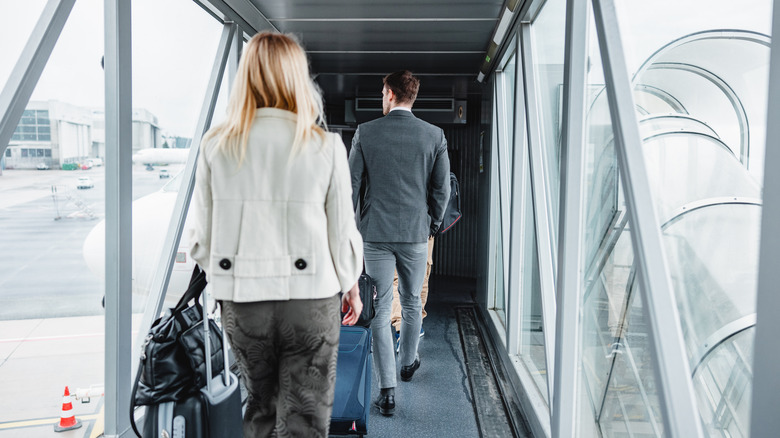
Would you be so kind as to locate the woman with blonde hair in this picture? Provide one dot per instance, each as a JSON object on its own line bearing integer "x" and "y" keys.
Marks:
{"x": 276, "y": 235}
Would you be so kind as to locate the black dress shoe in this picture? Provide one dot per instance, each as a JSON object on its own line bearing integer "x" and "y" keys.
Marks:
{"x": 386, "y": 401}
{"x": 407, "y": 371}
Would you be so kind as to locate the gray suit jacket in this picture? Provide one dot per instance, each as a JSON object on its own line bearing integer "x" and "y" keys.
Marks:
{"x": 407, "y": 174}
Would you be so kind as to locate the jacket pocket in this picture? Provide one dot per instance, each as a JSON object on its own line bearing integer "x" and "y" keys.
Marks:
{"x": 261, "y": 267}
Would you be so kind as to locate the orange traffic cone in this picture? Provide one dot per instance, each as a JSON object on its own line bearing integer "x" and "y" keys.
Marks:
{"x": 68, "y": 421}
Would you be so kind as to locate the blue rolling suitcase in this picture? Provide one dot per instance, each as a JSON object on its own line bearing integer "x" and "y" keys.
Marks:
{"x": 352, "y": 401}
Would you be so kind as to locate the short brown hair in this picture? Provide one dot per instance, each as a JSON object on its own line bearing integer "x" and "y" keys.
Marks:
{"x": 404, "y": 85}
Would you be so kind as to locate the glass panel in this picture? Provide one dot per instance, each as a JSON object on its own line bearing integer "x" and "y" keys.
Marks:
{"x": 17, "y": 20}
{"x": 505, "y": 141}
{"x": 713, "y": 287}
{"x": 686, "y": 167}
{"x": 701, "y": 94}
{"x": 548, "y": 31}
{"x": 601, "y": 176}
{"x": 509, "y": 78}
{"x": 189, "y": 53}
{"x": 723, "y": 390}
{"x": 52, "y": 266}
{"x": 50, "y": 301}
{"x": 499, "y": 296}
{"x": 500, "y": 300}
{"x": 531, "y": 328}
{"x": 631, "y": 405}
{"x": 617, "y": 365}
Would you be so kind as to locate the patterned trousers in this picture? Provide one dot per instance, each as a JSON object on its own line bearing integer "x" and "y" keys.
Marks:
{"x": 286, "y": 351}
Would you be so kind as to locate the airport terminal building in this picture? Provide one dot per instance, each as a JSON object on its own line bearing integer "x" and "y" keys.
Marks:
{"x": 55, "y": 133}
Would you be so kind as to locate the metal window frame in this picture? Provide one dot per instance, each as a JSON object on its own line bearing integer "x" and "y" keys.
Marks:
{"x": 570, "y": 282}
{"x": 119, "y": 198}
{"x": 504, "y": 179}
{"x": 517, "y": 208}
{"x": 156, "y": 299}
{"x": 671, "y": 367}
{"x": 29, "y": 67}
{"x": 236, "y": 49}
{"x": 493, "y": 220}
{"x": 539, "y": 192}
{"x": 764, "y": 420}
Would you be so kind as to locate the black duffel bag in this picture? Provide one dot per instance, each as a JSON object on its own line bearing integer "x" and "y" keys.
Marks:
{"x": 172, "y": 364}
{"x": 368, "y": 297}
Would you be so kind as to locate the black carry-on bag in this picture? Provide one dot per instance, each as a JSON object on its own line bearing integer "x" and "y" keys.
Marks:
{"x": 352, "y": 400}
{"x": 200, "y": 407}
{"x": 452, "y": 213}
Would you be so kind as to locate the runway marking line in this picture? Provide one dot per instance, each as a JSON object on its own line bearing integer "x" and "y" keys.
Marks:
{"x": 56, "y": 338}
{"x": 44, "y": 421}
{"x": 52, "y": 338}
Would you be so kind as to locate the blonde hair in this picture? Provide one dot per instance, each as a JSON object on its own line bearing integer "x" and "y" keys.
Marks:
{"x": 273, "y": 73}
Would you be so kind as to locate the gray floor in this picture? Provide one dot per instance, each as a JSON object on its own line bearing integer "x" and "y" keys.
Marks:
{"x": 438, "y": 401}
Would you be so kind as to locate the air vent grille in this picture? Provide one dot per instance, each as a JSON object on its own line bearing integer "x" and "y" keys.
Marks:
{"x": 421, "y": 104}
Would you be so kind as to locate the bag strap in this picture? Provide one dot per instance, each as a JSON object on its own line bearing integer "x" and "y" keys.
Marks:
{"x": 132, "y": 402}
{"x": 194, "y": 290}
{"x": 207, "y": 348}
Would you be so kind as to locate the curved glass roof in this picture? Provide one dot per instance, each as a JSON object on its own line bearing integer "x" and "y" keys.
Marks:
{"x": 719, "y": 78}
{"x": 687, "y": 167}
{"x": 713, "y": 257}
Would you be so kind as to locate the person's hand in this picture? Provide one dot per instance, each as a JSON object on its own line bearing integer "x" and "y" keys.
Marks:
{"x": 351, "y": 301}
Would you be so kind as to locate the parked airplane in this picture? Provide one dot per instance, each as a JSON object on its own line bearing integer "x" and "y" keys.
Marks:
{"x": 161, "y": 156}
{"x": 151, "y": 215}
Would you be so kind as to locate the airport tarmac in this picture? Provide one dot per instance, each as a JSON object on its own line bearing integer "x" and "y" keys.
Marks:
{"x": 51, "y": 318}
{"x": 38, "y": 358}
{"x": 44, "y": 220}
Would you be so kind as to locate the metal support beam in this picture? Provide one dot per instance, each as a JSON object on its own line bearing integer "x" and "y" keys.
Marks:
{"x": 672, "y": 371}
{"x": 542, "y": 216}
{"x": 154, "y": 303}
{"x": 119, "y": 197}
{"x": 764, "y": 420}
{"x": 242, "y": 12}
{"x": 24, "y": 77}
{"x": 566, "y": 385}
{"x": 234, "y": 57}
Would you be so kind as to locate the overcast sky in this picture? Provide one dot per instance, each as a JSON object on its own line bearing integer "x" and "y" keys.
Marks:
{"x": 174, "y": 44}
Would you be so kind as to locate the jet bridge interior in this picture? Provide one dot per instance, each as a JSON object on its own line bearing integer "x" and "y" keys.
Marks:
{"x": 614, "y": 273}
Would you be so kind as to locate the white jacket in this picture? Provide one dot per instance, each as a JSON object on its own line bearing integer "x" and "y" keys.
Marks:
{"x": 273, "y": 230}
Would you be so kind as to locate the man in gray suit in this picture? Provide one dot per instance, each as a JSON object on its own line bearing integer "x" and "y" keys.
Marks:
{"x": 406, "y": 168}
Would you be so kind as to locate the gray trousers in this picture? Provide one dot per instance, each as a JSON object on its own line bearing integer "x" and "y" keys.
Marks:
{"x": 286, "y": 351}
{"x": 382, "y": 260}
